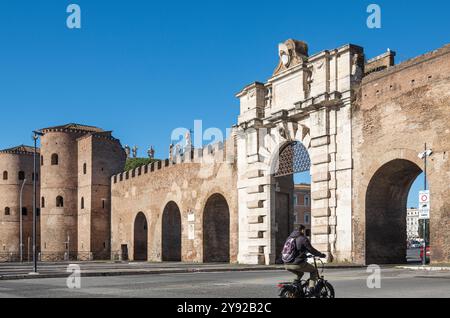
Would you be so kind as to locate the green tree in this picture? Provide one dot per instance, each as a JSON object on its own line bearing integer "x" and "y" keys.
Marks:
{"x": 133, "y": 163}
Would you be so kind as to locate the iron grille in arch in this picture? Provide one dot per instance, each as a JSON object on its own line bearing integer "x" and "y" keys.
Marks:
{"x": 293, "y": 158}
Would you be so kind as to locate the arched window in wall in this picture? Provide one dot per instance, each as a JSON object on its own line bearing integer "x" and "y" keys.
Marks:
{"x": 82, "y": 203}
{"x": 7, "y": 211}
{"x": 5, "y": 175}
{"x": 55, "y": 159}
{"x": 42, "y": 202}
{"x": 59, "y": 202}
{"x": 84, "y": 168}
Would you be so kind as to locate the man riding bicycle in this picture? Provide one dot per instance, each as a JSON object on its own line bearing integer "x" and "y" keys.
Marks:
{"x": 295, "y": 256}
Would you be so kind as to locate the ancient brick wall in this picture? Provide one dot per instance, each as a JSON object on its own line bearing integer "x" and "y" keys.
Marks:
{"x": 187, "y": 186}
{"x": 59, "y": 223}
{"x": 11, "y": 163}
{"x": 399, "y": 110}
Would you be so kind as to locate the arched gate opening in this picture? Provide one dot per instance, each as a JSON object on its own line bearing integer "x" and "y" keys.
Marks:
{"x": 386, "y": 206}
{"x": 291, "y": 192}
{"x": 171, "y": 233}
{"x": 140, "y": 237}
{"x": 216, "y": 230}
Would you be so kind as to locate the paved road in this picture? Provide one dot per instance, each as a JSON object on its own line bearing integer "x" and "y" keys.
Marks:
{"x": 260, "y": 284}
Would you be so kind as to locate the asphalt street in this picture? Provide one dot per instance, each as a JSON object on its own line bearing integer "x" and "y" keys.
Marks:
{"x": 352, "y": 283}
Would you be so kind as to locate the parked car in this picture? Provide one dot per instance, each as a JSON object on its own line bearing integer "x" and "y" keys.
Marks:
{"x": 428, "y": 254}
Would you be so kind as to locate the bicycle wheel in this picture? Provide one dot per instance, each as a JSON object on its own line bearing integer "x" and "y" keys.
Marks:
{"x": 287, "y": 293}
{"x": 325, "y": 290}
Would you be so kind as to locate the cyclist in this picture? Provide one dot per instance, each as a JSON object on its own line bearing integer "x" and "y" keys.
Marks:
{"x": 297, "y": 263}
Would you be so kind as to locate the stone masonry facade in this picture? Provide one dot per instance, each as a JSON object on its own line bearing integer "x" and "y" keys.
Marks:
{"x": 356, "y": 125}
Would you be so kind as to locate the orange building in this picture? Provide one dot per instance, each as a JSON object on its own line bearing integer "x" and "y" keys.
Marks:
{"x": 302, "y": 206}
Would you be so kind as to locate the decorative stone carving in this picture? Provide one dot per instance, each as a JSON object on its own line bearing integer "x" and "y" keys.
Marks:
{"x": 151, "y": 153}
{"x": 127, "y": 151}
{"x": 307, "y": 81}
{"x": 291, "y": 53}
{"x": 356, "y": 70}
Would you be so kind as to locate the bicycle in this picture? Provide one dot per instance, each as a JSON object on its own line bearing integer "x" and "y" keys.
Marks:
{"x": 300, "y": 289}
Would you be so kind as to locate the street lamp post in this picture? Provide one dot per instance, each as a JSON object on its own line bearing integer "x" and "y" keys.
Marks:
{"x": 36, "y": 135}
{"x": 20, "y": 222}
{"x": 424, "y": 155}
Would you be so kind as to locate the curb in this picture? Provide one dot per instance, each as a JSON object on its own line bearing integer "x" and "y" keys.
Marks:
{"x": 161, "y": 272}
{"x": 137, "y": 272}
{"x": 425, "y": 268}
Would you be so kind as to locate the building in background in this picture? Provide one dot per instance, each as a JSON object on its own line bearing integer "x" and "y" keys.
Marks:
{"x": 77, "y": 162}
{"x": 412, "y": 223}
{"x": 16, "y": 170}
{"x": 302, "y": 206}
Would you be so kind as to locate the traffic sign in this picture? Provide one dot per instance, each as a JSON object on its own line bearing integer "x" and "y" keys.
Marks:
{"x": 424, "y": 205}
{"x": 424, "y": 196}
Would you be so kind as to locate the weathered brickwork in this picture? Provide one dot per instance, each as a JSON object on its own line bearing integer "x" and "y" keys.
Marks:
{"x": 77, "y": 162}
{"x": 16, "y": 164}
{"x": 398, "y": 111}
{"x": 185, "y": 211}
{"x": 360, "y": 126}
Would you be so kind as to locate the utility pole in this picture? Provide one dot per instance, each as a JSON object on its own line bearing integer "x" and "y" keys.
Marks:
{"x": 20, "y": 221}
{"x": 36, "y": 135}
{"x": 424, "y": 155}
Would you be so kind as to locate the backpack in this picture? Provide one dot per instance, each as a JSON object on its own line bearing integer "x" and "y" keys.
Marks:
{"x": 289, "y": 252}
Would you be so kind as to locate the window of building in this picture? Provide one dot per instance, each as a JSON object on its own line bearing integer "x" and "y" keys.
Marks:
{"x": 103, "y": 204}
{"x": 42, "y": 160}
{"x": 82, "y": 203}
{"x": 306, "y": 218}
{"x": 42, "y": 202}
{"x": 84, "y": 168}
{"x": 5, "y": 175}
{"x": 55, "y": 159}
{"x": 7, "y": 211}
{"x": 295, "y": 200}
{"x": 21, "y": 175}
{"x": 306, "y": 200}
{"x": 59, "y": 202}
{"x": 24, "y": 211}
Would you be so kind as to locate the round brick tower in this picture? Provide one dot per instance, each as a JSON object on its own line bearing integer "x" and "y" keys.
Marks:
{"x": 16, "y": 167}
{"x": 77, "y": 162}
{"x": 59, "y": 190}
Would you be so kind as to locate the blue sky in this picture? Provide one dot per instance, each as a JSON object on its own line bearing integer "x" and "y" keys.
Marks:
{"x": 142, "y": 68}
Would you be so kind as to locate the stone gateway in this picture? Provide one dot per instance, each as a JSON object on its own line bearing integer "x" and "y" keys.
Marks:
{"x": 356, "y": 125}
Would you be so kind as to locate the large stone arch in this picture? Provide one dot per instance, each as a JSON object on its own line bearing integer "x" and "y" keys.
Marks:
{"x": 289, "y": 158}
{"x": 385, "y": 211}
{"x": 171, "y": 233}
{"x": 390, "y": 175}
{"x": 140, "y": 241}
{"x": 216, "y": 230}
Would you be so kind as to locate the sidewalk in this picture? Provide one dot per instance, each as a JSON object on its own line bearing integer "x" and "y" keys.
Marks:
{"x": 445, "y": 267}
{"x": 14, "y": 271}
